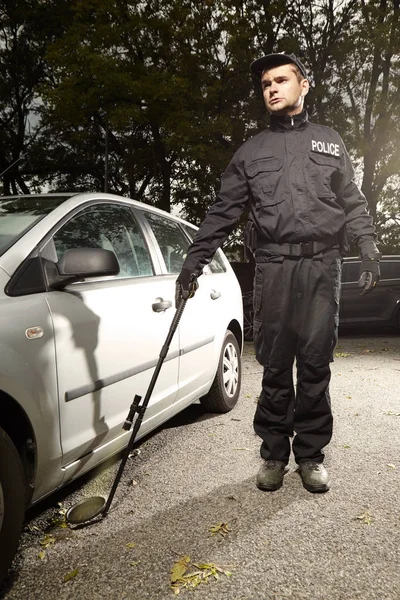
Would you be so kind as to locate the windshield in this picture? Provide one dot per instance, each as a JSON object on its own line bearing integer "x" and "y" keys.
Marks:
{"x": 19, "y": 214}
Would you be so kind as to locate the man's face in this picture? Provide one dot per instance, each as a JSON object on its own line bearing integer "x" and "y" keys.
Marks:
{"x": 282, "y": 91}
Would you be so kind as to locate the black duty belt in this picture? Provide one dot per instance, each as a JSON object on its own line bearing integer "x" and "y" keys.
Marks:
{"x": 306, "y": 249}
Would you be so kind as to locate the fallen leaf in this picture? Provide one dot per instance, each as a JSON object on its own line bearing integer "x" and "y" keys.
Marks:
{"x": 341, "y": 354}
{"x": 391, "y": 412}
{"x": 365, "y": 517}
{"x": 391, "y": 466}
{"x": 47, "y": 541}
{"x": 134, "y": 482}
{"x": 130, "y": 545}
{"x": 179, "y": 568}
{"x": 70, "y": 575}
{"x": 58, "y": 521}
{"x": 348, "y": 397}
{"x": 41, "y": 554}
{"x": 135, "y": 563}
{"x": 346, "y": 446}
{"x": 248, "y": 449}
{"x": 203, "y": 574}
{"x": 221, "y": 528}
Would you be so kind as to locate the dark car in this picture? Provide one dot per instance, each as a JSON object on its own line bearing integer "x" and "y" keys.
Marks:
{"x": 244, "y": 272}
{"x": 379, "y": 308}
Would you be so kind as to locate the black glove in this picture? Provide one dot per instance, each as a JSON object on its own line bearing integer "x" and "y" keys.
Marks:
{"x": 185, "y": 287}
{"x": 369, "y": 274}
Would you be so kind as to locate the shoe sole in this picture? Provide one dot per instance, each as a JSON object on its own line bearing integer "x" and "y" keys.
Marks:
{"x": 269, "y": 488}
{"x": 316, "y": 489}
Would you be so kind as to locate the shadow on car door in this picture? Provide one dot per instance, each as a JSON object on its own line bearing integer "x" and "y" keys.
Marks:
{"x": 108, "y": 335}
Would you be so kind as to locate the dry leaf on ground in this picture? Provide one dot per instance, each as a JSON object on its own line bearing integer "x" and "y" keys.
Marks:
{"x": 365, "y": 517}
{"x": 221, "y": 528}
{"x": 70, "y": 575}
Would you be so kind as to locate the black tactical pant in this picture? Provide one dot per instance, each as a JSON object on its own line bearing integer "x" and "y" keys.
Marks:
{"x": 296, "y": 304}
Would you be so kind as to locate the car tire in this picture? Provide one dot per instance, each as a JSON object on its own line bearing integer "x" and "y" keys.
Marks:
{"x": 12, "y": 501}
{"x": 225, "y": 390}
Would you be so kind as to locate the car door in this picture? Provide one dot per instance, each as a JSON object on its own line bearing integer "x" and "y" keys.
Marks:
{"x": 108, "y": 334}
{"x": 376, "y": 306}
{"x": 200, "y": 325}
{"x": 388, "y": 290}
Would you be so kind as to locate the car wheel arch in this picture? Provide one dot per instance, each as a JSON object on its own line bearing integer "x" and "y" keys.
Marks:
{"x": 12, "y": 505}
{"x": 16, "y": 424}
{"x": 219, "y": 398}
{"x": 236, "y": 329}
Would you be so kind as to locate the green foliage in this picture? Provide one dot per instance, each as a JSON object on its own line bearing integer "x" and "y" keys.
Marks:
{"x": 152, "y": 99}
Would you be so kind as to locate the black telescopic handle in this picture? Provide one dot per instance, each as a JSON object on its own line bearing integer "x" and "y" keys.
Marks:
{"x": 138, "y": 422}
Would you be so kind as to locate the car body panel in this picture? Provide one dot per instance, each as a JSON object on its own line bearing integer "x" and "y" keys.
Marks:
{"x": 28, "y": 374}
{"x": 217, "y": 297}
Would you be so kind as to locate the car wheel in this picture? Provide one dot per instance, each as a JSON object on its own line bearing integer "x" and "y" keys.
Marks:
{"x": 12, "y": 501}
{"x": 225, "y": 390}
{"x": 248, "y": 318}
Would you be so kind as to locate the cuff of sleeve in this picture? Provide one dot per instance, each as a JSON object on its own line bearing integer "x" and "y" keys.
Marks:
{"x": 368, "y": 249}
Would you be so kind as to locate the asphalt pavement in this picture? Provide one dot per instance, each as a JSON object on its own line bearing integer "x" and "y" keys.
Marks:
{"x": 187, "y": 503}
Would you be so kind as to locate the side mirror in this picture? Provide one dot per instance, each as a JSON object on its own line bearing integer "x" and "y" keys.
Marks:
{"x": 78, "y": 264}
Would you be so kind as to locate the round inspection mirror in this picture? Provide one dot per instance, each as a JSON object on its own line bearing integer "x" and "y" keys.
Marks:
{"x": 85, "y": 510}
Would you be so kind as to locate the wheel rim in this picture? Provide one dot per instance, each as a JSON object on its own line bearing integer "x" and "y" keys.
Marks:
{"x": 230, "y": 367}
{"x": 248, "y": 324}
{"x": 1, "y": 506}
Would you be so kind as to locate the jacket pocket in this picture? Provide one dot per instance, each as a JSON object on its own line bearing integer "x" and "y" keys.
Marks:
{"x": 264, "y": 176}
{"x": 322, "y": 168}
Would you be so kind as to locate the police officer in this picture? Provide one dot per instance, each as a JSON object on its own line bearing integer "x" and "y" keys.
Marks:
{"x": 298, "y": 180}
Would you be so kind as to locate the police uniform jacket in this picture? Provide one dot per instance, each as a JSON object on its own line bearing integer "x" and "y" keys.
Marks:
{"x": 298, "y": 180}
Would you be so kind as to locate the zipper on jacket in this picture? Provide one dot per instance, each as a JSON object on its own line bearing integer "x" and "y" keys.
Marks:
{"x": 292, "y": 122}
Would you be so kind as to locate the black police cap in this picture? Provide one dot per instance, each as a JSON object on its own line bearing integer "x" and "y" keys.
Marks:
{"x": 275, "y": 60}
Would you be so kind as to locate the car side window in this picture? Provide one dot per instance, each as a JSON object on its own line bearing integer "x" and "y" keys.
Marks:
{"x": 171, "y": 239}
{"x": 112, "y": 227}
{"x": 390, "y": 269}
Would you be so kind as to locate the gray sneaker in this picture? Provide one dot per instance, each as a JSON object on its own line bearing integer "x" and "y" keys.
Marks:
{"x": 314, "y": 476}
{"x": 270, "y": 475}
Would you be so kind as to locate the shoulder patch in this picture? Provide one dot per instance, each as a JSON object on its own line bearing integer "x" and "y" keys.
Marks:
{"x": 325, "y": 147}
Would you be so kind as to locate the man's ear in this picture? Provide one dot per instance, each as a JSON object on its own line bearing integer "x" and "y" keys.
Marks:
{"x": 305, "y": 86}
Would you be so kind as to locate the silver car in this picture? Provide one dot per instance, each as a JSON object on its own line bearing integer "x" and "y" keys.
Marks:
{"x": 87, "y": 286}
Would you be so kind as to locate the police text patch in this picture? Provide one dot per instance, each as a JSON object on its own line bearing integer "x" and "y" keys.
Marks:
{"x": 325, "y": 147}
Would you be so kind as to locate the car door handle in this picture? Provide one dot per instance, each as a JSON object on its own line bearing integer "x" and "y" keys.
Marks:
{"x": 161, "y": 305}
{"x": 214, "y": 295}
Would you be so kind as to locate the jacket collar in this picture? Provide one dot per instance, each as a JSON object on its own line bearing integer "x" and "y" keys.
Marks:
{"x": 288, "y": 123}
